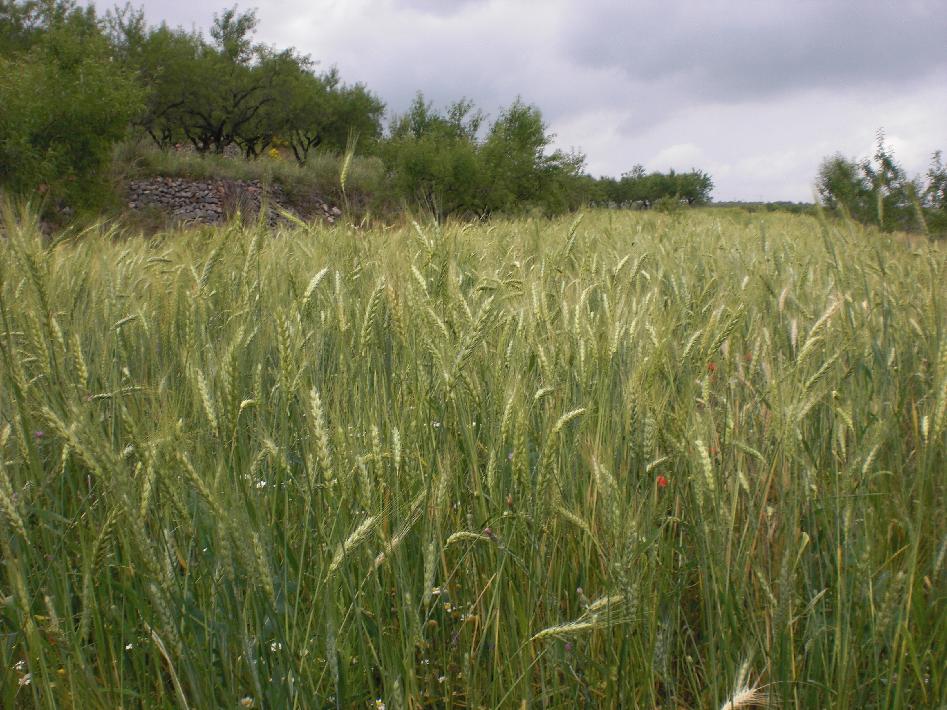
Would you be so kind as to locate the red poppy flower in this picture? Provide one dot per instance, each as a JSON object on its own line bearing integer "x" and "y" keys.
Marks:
{"x": 662, "y": 482}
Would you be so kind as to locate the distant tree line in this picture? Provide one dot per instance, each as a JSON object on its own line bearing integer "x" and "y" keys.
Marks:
{"x": 73, "y": 83}
{"x": 638, "y": 188}
{"x": 878, "y": 191}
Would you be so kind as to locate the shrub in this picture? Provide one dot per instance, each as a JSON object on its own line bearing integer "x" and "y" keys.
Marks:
{"x": 63, "y": 104}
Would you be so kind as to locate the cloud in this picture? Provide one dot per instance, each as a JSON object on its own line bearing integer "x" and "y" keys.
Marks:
{"x": 442, "y": 8}
{"x": 726, "y": 50}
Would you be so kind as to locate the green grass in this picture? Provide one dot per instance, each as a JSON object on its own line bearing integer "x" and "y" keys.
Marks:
{"x": 326, "y": 467}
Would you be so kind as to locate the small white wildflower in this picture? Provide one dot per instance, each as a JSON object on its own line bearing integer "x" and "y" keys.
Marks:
{"x": 435, "y": 591}
{"x": 276, "y": 646}
{"x": 441, "y": 679}
{"x": 129, "y": 646}
{"x": 246, "y": 702}
{"x": 436, "y": 425}
{"x": 379, "y": 704}
{"x": 20, "y": 666}
{"x": 26, "y": 680}
{"x": 260, "y": 484}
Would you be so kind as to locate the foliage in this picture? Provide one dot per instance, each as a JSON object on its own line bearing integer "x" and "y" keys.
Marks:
{"x": 319, "y": 111}
{"x": 479, "y": 466}
{"x": 637, "y": 188}
{"x": 439, "y": 160}
{"x": 877, "y": 190}
{"x": 520, "y": 169}
{"x": 63, "y": 104}
{"x": 434, "y": 159}
{"x": 935, "y": 196}
{"x": 230, "y": 90}
{"x": 841, "y": 186}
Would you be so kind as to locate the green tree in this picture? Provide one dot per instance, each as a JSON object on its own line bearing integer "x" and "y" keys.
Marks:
{"x": 319, "y": 111}
{"x": 18, "y": 25}
{"x": 894, "y": 195}
{"x": 433, "y": 158}
{"x": 229, "y": 89}
{"x": 166, "y": 63}
{"x": 638, "y": 188}
{"x": 519, "y": 170}
{"x": 63, "y": 104}
{"x": 935, "y": 195}
{"x": 210, "y": 93}
{"x": 841, "y": 186}
{"x": 874, "y": 190}
{"x": 694, "y": 187}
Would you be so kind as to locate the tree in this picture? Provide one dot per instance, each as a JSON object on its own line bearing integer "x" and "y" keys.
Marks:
{"x": 321, "y": 111}
{"x": 232, "y": 33}
{"x": 166, "y": 63}
{"x": 18, "y": 25}
{"x": 841, "y": 185}
{"x": 874, "y": 190}
{"x": 229, "y": 89}
{"x": 211, "y": 94}
{"x": 513, "y": 155}
{"x": 433, "y": 158}
{"x": 894, "y": 195}
{"x": 694, "y": 187}
{"x": 935, "y": 195}
{"x": 519, "y": 170}
{"x": 63, "y": 104}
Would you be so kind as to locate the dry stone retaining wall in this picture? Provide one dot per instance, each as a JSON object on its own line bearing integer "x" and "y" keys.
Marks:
{"x": 216, "y": 200}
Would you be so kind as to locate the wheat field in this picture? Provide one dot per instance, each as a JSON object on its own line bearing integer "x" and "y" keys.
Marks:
{"x": 627, "y": 460}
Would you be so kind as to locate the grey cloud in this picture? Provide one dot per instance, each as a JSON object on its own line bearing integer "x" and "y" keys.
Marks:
{"x": 441, "y": 8}
{"x": 725, "y": 51}
{"x": 180, "y": 13}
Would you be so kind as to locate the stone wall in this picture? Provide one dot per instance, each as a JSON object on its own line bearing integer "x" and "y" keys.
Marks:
{"x": 215, "y": 200}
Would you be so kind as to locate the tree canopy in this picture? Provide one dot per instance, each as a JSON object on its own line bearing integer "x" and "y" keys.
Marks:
{"x": 63, "y": 101}
{"x": 877, "y": 190}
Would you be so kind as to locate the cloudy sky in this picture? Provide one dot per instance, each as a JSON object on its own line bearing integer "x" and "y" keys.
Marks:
{"x": 754, "y": 92}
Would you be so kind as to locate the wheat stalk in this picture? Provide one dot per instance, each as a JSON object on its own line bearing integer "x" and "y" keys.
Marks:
{"x": 357, "y": 536}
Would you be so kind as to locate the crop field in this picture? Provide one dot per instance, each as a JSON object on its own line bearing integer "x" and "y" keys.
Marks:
{"x": 631, "y": 460}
